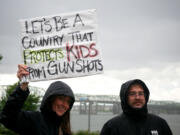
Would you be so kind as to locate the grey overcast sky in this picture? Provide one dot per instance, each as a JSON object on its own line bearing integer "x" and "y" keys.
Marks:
{"x": 138, "y": 39}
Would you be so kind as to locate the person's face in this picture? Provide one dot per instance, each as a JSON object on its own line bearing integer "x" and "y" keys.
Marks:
{"x": 61, "y": 104}
{"x": 136, "y": 97}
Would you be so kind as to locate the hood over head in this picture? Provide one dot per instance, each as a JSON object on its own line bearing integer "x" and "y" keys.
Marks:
{"x": 124, "y": 98}
{"x": 55, "y": 89}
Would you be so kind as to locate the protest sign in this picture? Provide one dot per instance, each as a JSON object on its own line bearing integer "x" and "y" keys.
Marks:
{"x": 61, "y": 46}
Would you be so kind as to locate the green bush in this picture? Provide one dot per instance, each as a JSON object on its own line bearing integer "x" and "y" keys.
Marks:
{"x": 86, "y": 133}
{"x": 1, "y": 57}
{"x": 5, "y": 131}
{"x": 31, "y": 104}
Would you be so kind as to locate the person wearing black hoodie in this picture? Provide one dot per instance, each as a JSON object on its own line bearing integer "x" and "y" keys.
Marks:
{"x": 135, "y": 119}
{"x": 53, "y": 117}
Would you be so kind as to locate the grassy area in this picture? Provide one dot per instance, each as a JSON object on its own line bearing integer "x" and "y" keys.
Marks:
{"x": 86, "y": 133}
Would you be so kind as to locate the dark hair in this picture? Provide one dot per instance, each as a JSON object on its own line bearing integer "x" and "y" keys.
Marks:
{"x": 65, "y": 118}
{"x": 65, "y": 124}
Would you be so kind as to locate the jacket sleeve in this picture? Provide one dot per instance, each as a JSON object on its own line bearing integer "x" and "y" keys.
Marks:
{"x": 106, "y": 129}
{"x": 12, "y": 116}
{"x": 166, "y": 129}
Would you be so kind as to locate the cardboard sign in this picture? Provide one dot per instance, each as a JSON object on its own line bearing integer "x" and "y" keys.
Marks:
{"x": 61, "y": 46}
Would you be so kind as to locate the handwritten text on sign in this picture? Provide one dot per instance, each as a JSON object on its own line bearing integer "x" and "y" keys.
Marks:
{"x": 61, "y": 46}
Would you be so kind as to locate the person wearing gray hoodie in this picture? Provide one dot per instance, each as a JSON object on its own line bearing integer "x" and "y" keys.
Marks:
{"x": 53, "y": 117}
{"x": 135, "y": 119}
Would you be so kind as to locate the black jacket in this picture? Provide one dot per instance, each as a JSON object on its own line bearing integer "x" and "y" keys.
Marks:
{"x": 133, "y": 121}
{"x": 41, "y": 122}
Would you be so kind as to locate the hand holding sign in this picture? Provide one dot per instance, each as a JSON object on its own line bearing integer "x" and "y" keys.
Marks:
{"x": 21, "y": 74}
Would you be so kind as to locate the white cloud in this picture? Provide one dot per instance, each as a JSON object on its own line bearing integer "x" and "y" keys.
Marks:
{"x": 163, "y": 83}
{"x": 8, "y": 79}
